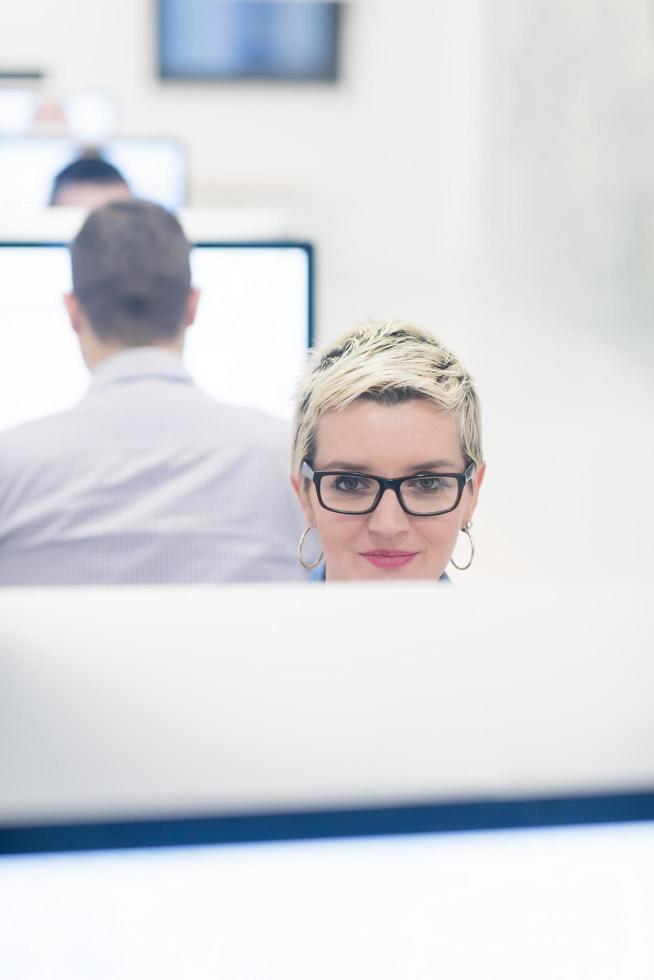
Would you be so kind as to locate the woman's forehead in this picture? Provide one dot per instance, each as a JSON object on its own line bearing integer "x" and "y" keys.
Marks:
{"x": 410, "y": 434}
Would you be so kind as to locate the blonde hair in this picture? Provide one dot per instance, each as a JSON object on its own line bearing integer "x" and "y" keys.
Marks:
{"x": 389, "y": 362}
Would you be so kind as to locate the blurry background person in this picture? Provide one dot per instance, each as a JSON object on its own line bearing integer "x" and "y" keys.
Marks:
{"x": 148, "y": 479}
{"x": 387, "y": 459}
{"x": 89, "y": 182}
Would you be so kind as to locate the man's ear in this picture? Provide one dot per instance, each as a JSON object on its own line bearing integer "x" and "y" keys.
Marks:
{"x": 302, "y": 491}
{"x": 191, "y": 307}
{"x": 75, "y": 312}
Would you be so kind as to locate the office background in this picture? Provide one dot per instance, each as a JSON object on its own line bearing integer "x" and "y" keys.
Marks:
{"x": 482, "y": 169}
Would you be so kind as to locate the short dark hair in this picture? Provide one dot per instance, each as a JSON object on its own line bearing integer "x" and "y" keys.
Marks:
{"x": 86, "y": 170}
{"x": 131, "y": 272}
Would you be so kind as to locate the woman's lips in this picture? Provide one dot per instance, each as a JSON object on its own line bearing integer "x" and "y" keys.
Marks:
{"x": 383, "y": 558}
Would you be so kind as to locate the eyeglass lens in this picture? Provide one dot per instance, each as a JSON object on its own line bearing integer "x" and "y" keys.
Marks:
{"x": 353, "y": 494}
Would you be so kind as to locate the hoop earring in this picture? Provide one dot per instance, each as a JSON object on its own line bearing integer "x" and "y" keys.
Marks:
{"x": 466, "y": 530}
{"x": 307, "y": 564}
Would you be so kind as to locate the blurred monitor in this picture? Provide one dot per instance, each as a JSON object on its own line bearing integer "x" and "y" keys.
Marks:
{"x": 247, "y": 346}
{"x": 510, "y": 889}
{"x": 381, "y": 693}
{"x": 155, "y": 168}
{"x": 349, "y": 783}
{"x": 248, "y": 39}
{"x": 18, "y": 106}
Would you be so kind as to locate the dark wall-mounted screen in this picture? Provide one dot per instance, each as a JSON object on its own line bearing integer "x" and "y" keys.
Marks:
{"x": 248, "y": 39}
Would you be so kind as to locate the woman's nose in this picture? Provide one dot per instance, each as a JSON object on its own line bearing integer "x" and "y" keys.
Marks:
{"x": 388, "y": 518}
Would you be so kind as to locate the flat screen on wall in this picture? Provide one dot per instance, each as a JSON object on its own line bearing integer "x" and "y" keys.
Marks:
{"x": 295, "y": 40}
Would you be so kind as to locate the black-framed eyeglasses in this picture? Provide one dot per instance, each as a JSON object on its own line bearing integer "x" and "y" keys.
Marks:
{"x": 421, "y": 495}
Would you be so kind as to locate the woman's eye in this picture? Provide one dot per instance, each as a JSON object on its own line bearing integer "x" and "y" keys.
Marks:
{"x": 426, "y": 484}
{"x": 350, "y": 484}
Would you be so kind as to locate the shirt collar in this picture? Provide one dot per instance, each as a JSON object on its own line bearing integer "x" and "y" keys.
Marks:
{"x": 140, "y": 362}
{"x": 319, "y": 574}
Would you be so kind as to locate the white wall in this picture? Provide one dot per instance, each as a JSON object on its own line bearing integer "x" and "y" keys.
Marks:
{"x": 359, "y": 165}
{"x": 482, "y": 169}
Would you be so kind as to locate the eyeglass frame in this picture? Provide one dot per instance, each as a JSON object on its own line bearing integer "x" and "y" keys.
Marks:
{"x": 462, "y": 479}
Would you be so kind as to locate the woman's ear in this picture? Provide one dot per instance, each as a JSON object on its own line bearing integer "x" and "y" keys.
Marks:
{"x": 478, "y": 479}
{"x": 302, "y": 491}
{"x": 473, "y": 496}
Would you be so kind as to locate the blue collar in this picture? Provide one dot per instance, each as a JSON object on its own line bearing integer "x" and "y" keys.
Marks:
{"x": 319, "y": 574}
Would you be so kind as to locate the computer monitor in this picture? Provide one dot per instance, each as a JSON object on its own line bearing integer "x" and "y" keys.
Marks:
{"x": 248, "y": 344}
{"x": 156, "y": 168}
{"x": 298, "y": 782}
{"x": 133, "y": 702}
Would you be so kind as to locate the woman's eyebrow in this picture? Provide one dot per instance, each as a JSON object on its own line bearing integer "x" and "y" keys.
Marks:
{"x": 435, "y": 464}
{"x": 340, "y": 464}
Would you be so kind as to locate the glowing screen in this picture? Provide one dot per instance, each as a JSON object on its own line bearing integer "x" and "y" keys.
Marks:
{"x": 155, "y": 169}
{"x": 247, "y": 346}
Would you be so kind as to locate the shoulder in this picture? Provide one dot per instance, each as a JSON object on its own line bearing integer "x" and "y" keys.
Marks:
{"x": 252, "y": 419}
{"x": 254, "y": 428}
{"x": 258, "y": 440}
{"x": 37, "y": 438}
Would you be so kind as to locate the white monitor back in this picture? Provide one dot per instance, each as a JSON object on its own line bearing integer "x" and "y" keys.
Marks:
{"x": 202, "y": 700}
{"x": 234, "y": 224}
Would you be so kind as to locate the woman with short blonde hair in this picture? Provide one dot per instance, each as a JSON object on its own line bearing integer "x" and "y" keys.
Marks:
{"x": 386, "y": 407}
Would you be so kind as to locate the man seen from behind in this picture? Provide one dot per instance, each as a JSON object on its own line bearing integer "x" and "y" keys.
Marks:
{"x": 148, "y": 479}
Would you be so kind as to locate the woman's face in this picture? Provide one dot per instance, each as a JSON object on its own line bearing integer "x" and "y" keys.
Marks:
{"x": 390, "y": 441}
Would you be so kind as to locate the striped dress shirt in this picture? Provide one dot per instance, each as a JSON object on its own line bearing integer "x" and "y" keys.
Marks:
{"x": 147, "y": 480}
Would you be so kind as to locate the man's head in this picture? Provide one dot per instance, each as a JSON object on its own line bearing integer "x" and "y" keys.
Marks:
{"x": 131, "y": 280}
{"x": 89, "y": 183}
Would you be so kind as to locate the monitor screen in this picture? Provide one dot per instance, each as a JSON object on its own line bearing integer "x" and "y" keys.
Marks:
{"x": 155, "y": 168}
{"x": 539, "y": 902}
{"x": 247, "y": 346}
{"x": 248, "y": 39}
